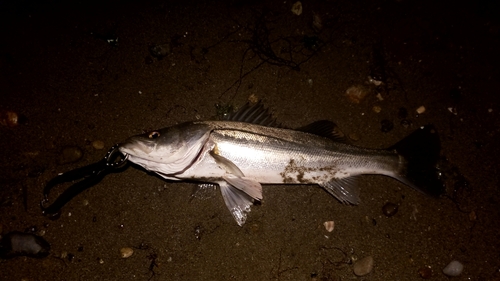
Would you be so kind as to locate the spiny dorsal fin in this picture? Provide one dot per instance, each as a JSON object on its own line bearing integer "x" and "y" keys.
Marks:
{"x": 325, "y": 128}
{"x": 254, "y": 113}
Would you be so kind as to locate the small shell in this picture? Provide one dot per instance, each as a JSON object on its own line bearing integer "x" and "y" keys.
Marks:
{"x": 297, "y": 8}
{"x": 421, "y": 109}
{"x": 329, "y": 225}
{"x": 126, "y": 252}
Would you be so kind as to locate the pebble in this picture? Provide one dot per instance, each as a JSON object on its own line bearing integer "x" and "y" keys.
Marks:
{"x": 126, "y": 252}
{"x": 377, "y": 109}
{"x": 98, "y": 144}
{"x": 17, "y": 243}
{"x": 363, "y": 266}
{"x": 390, "y": 209}
{"x": 453, "y": 269}
{"x": 70, "y": 154}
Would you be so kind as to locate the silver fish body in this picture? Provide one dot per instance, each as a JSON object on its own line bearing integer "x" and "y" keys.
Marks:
{"x": 240, "y": 156}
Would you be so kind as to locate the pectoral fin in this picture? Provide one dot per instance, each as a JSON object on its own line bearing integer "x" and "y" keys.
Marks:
{"x": 236, "y": 178}
{"x": 226, "y": 164}
{"x": 236, "y": 201}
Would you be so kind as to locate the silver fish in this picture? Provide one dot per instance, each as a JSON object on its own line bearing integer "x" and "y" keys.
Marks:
{"x": 249, "y": 149}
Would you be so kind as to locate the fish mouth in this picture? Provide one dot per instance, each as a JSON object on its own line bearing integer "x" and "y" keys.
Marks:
{"x": 136, "y": 148}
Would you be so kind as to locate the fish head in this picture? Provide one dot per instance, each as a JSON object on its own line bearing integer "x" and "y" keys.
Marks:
{"x": 166, "y": 151}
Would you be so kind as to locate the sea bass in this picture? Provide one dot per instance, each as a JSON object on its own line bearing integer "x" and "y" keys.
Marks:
{"x": 249, "y": 149}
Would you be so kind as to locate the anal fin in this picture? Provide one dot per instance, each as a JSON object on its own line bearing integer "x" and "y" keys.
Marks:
{"x": 236, "y": 201}
{"x": 345, "y": 190}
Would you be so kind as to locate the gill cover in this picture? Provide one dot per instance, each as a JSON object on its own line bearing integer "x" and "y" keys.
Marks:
{"x": 168, "y": 151}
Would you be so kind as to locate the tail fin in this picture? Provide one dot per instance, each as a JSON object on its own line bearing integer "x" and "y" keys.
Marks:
{"x": 421, "y": 151}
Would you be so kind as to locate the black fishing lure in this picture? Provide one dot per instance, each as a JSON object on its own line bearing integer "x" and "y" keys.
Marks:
{"x": 89, "y": 176}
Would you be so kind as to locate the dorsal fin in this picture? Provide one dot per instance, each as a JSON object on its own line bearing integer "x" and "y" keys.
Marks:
{"x": 254, "y": 113}
{"x": 325, "y": 128}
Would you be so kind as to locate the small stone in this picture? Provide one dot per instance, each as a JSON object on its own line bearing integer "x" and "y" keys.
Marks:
{"x": 98, "y": 144}
{"x": 453, "y": 269}
{"x": 363, "y": 266}
{"x": 421, "y": 109}
{"x": 390, "y": 209}
{"x": 126, "y": 252}
{"x": 379, "y": 97}
{"x": 14, "y": 244}
{"x": 329, "y": 225}
{"x": 377, "y": 109}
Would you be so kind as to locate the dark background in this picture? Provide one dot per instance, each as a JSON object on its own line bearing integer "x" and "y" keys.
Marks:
{"x": 63, "y": 71}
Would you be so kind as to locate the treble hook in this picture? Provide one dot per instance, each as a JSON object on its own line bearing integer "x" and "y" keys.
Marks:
{"x": 91, "y": 175}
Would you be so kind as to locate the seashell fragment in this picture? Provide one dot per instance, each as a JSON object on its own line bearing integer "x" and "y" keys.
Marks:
{"x": 297, "y": 8}
{"x": 329, "y": 225}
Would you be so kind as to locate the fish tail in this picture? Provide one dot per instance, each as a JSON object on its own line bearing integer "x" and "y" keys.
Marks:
{"x": 420, "y": 151}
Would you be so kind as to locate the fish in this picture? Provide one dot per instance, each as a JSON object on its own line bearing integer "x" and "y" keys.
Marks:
{"x": 249, "y": 149}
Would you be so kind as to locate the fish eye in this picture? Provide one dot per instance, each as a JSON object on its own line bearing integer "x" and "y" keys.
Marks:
{"x": 154, "y": 135}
